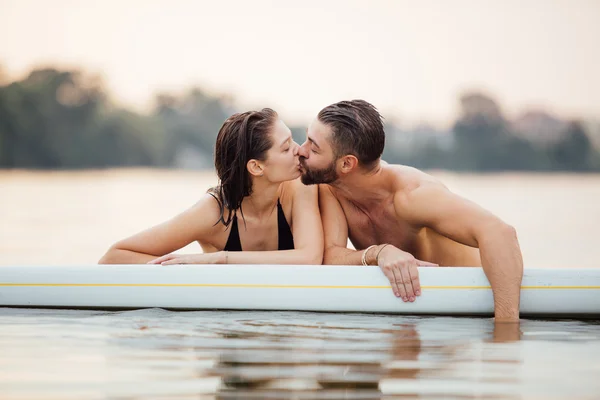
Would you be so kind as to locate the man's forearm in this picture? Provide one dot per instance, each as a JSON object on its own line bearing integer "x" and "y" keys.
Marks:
{"x": 336, "y": 255}
{"x": 503, "y": 265}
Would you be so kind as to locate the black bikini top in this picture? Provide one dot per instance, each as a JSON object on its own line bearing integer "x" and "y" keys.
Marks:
{"x": 285, "y": 237}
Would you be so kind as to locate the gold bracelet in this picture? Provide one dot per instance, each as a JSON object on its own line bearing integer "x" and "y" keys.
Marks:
{"x": 379, "y": 252}
{"x": 364, "y": 255}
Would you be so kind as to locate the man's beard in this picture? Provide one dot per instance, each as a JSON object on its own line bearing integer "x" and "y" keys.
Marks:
{"x": 316, "y": 176}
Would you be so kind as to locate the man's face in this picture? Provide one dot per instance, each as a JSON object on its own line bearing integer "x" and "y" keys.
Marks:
{"x": 317, "y": 159}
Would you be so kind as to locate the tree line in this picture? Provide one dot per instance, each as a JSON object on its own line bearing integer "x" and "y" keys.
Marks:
{"x": 64, "y": 119}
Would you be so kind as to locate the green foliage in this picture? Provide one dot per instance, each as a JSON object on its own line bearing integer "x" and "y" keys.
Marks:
{"x": 63, "y": 119}
{"x": 574, "y": 152}
{"x": 483, "y": 140}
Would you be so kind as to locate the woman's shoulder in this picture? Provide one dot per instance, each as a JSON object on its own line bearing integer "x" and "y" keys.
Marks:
{"x": 296, "y": 187}
{"x": 210, "y": 207}
{"x": 295, "y": 192}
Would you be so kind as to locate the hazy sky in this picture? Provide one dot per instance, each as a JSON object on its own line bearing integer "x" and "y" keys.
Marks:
{"x": 410, "y": 58}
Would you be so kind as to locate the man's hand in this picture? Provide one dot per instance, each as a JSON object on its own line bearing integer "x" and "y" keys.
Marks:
{"x": 400, "y": 268}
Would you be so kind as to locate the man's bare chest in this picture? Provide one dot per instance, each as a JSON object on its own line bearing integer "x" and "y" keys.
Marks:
{"x": 380, "y": 225}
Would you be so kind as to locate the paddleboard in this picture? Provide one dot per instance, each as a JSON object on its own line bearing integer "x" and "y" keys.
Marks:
{"x": 568, "y": 292}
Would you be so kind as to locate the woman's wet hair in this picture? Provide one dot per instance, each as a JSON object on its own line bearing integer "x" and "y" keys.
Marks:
{"x": 243, "y": 137}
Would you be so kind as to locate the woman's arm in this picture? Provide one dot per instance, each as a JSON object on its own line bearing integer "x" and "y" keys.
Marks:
{"x": 306, "y": 228}
{"x": 307, "y": 231}
{"x": 193, "y": 224}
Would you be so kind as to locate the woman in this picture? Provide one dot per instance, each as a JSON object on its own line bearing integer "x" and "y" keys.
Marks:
{"x": 260, "y": 206}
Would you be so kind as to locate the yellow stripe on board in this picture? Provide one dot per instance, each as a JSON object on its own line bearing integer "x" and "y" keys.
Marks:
{"x": 238, "y": 285}
{"x": 266, "y": 286}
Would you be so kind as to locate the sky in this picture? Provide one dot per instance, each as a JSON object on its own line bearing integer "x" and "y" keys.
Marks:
{"x": 412, "y": 59}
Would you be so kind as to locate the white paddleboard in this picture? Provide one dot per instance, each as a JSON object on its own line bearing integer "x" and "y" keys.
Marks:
{"x": 572, "y": 292}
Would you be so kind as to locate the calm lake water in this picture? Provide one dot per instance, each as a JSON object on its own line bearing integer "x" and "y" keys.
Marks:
{"x": 72, "y": 218}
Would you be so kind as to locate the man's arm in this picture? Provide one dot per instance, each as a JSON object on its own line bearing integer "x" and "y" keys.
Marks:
{"x": 335, "y": 231}
{"x": 434, "y": 206}
{"x": 398, "y": 266}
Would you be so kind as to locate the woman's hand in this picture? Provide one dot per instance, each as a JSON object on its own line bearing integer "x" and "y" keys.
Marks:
{"x": 219, "y": 257}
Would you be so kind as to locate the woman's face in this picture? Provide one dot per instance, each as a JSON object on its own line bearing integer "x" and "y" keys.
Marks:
{"x": 282, "y": 162}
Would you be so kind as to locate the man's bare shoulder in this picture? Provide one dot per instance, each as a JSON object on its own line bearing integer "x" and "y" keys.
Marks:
{"x": 412, "y": 188}
{"x": 405, "y": 179}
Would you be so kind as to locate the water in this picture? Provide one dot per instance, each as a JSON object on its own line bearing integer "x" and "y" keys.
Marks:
{"x": 183, "y": 355}
{"x": 71, "y": 218}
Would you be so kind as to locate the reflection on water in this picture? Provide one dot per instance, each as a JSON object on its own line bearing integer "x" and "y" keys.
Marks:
{"x": 159, "y": 354}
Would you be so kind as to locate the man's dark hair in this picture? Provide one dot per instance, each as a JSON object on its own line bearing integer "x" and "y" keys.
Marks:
{"x": 357, "y": 129}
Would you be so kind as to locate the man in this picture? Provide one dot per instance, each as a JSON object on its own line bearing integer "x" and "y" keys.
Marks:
{"x": 399, "y": 217}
